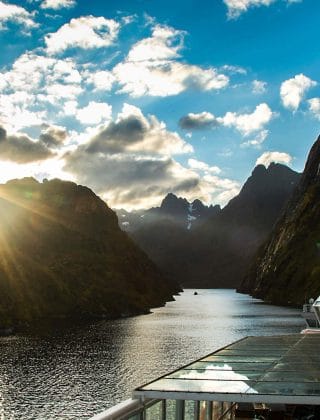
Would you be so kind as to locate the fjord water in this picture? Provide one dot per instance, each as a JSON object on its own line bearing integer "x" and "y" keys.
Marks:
{"x": 69, "y": 373}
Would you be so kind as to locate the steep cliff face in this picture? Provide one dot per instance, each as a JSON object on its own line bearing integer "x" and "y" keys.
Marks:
{"x": 227, "y": 242}
{"x": 62, "y": 254}
{"x": 287, "y": 267}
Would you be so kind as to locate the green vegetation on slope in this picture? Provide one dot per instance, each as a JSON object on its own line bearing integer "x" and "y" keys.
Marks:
{"x": 63, "y": 255}
{"x": 287, "y": 267}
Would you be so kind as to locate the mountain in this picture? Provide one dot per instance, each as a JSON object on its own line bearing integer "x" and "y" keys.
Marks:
{"x": 177, "y": 210}
{"x": 62, "y": 255}
{"x": 287, "y": 268}
{"x": 164, "y": 232}
{"x": 227, "y": 242}
{"x": 201, "y": 246}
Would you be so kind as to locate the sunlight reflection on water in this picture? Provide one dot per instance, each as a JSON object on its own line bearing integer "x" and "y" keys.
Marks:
{"x": 77, "y": 372}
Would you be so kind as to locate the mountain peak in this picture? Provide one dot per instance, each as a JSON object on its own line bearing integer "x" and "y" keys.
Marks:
{"x": 286, "y": 269}
{"x": 174, "y": 205}
{"x": 258, "y": 170}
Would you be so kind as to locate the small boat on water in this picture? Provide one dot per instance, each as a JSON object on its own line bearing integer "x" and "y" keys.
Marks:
{"x": 268, "y": 377}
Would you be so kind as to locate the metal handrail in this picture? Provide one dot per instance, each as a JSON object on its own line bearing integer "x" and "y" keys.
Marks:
{"x": 125, "y": 409}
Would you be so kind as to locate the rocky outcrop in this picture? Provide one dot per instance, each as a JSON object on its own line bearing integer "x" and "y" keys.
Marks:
{"x": 287, "y": 268}
{"x": 62, "y": 255}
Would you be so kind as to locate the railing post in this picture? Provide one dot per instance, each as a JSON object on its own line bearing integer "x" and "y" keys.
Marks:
{"x": 179, "y": 409}
{"x": 196, "y": 410}
{"x": 164, "y": 409}
{"x": 209, "y": 409}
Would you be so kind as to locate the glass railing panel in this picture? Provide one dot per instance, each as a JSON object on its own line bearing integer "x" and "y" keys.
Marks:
{"x": 190, "y": 410}
{"x": 170, "y": 410}
{"x": 205, "y": 410}
{"x": 217, "y": 410}
{"x": 154, "y": 412}
{"x": 136, "y": 417}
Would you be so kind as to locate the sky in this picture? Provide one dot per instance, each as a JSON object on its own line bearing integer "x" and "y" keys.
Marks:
{"x": 139, "y": 98}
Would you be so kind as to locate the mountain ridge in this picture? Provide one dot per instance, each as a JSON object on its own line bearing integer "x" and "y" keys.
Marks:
{"x": 286, "y": 269}
{"x": 216, "y": 251}
{"x": 62, "y": 255}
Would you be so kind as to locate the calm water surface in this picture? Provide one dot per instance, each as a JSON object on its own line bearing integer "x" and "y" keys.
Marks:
{"x": 75, "y": 373}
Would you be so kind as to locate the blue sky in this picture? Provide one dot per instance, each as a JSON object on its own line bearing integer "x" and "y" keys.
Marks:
{"x": 139, "y": 98}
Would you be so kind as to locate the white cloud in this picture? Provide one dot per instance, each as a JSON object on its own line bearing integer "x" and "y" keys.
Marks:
{"x": 70, "y": 107}
{"x": 140, "y": 181}
{"x": 164, "y": 44}
{"x": 64, "y": 71}
{"x": 50, "y": 168}
{"x": 258, "y": 87}
{"x": 33, "y": 83}
{"x": 234, "y": 69}
{"x": 237, "y": 7}
{"x": 94, "y": 113}
{"x": 84, "y": 32}
{"x": 129, "y": 162}
{"x": 15, "y": 117}
{"x": 33, "y": 73}
{"x": 198, "y": 165}
{"x": 293, "y": 90}
{"x": 58, "y": 91}
{"x": 57, "y": 4}
{"x": 151, "y": 68}
{"x": 247, "y": 124}
{"x": 224, "y": 188}
{"x": 16, "y": 14}
{"x": 314, "y": 106}
{"x": 280, "y": 157}
{"x": 165, "y": 79}
{"x": 257, "y": 140}
{"x": 102, "y": 80}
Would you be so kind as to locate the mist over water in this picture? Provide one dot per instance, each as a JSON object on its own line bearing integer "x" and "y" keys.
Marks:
{"x": 76, "y": 372}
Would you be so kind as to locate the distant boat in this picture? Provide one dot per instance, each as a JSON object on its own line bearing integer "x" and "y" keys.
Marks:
{"x": 195, "y": 293}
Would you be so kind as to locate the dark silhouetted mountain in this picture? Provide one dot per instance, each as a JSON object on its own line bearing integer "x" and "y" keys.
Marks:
{"x": 173, "y": 209}
{"x": 287, "y": 268}
{"x": 164, "y": 232}
{"x": 62, "y": 255}
{"x": 227, "y": 242}
{"x": 218, "y": 248}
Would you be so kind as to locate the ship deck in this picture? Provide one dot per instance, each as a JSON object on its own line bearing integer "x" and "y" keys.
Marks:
{"x": 276, "y": 377}
{"x": 277, "y": 369}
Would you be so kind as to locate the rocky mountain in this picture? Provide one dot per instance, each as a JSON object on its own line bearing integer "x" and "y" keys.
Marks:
{"x": 164, "y": 232}
{"x": 218, "y": 248}
{"x": 179, "y": 211}
{"x": 62, "y": 255}
{"x": 228, "y": 242}
{"x": 287, "y": 268}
